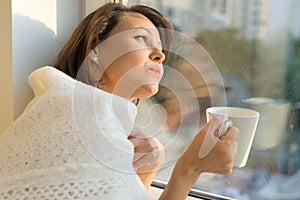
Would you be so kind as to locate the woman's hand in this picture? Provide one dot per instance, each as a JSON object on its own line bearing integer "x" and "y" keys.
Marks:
{"x": 216, "y": 154}
{"x": 148, "y": 156}
{"x": 216, "y": 159}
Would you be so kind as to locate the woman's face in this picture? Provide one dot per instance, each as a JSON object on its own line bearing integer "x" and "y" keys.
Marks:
{"x": 132, "y": 57}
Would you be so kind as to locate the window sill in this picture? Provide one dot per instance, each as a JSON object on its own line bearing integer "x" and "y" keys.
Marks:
{"x": 157, "y": 188}
{"x": 155, "y": 192}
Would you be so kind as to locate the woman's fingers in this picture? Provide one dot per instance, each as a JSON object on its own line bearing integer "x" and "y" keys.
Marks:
{"x": 230, "y": 138}
{"x": 231, "y": 134}
{"x": 211, "y": 130}
{"x": 147, "y": 150}
{"x": 142, "y": 159}
{"x": 215, "y": 155}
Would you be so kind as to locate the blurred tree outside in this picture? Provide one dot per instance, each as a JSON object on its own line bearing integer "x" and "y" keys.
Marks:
{"x": 230, "y": 53}
{"x": 293, "y": 72}
{"x": 259, "y": 66}
{"x": 292, "y": 79}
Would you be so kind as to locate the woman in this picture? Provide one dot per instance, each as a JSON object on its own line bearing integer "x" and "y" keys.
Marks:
{"x": 133, "y": 30}
{"x": 93, "y": 55}
{"x": 113, "y": 19}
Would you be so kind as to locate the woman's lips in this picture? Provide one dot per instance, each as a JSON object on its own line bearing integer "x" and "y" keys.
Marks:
{"x": 155, "y": 69}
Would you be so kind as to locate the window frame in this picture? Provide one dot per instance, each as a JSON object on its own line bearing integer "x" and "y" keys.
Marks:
{"x": 196, "y": 193}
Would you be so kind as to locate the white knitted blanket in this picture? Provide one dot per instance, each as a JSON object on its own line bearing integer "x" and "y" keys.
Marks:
{"x": 70, "y": 143}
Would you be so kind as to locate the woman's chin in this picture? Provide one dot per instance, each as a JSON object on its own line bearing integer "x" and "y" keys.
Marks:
{"x": 146, "y": 91}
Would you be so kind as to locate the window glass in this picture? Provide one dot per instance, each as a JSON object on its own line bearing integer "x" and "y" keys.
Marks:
{"x": 255, "y": 45}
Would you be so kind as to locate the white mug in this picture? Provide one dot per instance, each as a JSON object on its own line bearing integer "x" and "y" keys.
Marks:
{"x": 246, "y": 121}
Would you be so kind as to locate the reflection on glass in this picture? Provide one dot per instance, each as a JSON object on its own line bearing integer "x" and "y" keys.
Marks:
{"x": 256, "y": 46}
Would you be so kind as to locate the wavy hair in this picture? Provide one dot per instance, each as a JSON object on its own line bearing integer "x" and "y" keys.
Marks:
{"x": 96, "y": 27}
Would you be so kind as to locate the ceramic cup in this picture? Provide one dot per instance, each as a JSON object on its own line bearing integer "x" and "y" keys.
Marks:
{"x": 246, "y": 121}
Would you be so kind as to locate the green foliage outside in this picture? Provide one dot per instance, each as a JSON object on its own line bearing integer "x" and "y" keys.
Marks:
{"x": 231, "y": 53}
{"x": 293, "y": 73}
{"x": 260, "y": 66}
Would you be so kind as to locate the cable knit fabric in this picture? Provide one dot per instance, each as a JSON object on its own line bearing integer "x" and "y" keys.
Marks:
{"x": 69, "y": 143}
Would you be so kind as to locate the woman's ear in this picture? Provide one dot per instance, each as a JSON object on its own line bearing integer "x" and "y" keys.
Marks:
{"x": 94, "y": 56}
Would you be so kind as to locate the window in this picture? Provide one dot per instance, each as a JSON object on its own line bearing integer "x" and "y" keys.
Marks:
{"x": 256, "y": 48}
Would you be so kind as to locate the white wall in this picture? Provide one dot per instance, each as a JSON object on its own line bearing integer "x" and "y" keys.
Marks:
{"x": 91, "y": 5}
{"x": 6, "y": 72}
{"x": 39, "y": 29}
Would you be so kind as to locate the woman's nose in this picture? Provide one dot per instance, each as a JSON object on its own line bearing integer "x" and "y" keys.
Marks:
{"x": 157, "y": 55}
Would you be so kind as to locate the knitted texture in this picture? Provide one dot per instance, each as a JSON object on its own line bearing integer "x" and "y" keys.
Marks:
{"x": 69, "y": 143}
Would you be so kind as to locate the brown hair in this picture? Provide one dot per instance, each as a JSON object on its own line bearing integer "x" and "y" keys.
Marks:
{"x": 96, "y": 27}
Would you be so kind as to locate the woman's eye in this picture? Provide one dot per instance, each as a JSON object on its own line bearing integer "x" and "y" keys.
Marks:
{"x": 141, "y": 38}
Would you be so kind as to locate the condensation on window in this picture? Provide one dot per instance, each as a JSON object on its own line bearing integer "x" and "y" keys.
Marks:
{"x": 255, "y": 45}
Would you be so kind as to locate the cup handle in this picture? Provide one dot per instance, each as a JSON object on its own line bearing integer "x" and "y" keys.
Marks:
{"x": 224, "y": 127}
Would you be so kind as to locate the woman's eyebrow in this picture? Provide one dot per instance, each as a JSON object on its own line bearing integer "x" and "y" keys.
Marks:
{"x": 135, "y": 28}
